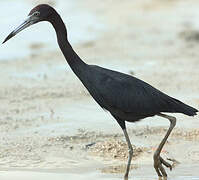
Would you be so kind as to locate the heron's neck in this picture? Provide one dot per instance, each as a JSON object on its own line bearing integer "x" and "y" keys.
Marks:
{"x": 75, "y": 62}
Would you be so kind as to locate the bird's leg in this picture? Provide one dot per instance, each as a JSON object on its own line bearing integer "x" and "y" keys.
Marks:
{"x": 158, "y": 160}
{"x": 130, "y": 149}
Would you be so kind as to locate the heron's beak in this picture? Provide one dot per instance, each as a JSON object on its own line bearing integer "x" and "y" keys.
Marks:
{"x": 29, "y": 21}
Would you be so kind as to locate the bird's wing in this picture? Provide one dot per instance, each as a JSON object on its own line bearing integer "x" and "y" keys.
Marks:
{"x": 128, "y": 94}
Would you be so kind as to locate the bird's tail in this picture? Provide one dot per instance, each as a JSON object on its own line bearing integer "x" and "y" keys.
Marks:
{"x": 180, "y": 107}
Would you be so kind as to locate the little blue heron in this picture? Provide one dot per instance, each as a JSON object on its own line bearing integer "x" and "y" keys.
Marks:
{"x": 125, "y": 97}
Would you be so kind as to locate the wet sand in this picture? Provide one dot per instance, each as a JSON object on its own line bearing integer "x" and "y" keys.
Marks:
{"x": 50, "y": 129}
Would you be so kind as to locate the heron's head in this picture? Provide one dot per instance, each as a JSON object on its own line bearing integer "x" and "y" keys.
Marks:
{"x": 42, "y": 12}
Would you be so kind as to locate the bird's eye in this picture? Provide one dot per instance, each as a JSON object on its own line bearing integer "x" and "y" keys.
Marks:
{"x": 36, "y": 13}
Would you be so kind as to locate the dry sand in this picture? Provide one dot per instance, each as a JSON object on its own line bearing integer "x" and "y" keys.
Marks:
{"x": 50, "y": 126}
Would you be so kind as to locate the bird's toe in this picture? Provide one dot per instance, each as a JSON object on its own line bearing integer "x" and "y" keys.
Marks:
{"x": 165, "y": 163}
{"x": 158, "y": 165}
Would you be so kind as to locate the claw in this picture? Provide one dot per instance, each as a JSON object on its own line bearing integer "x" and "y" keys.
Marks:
{"x": 158, "y": 165}
{"x": 166, "y": 163}
{"x": 175, "y": 162}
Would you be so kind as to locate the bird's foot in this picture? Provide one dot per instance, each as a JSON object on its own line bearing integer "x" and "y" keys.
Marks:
{"x": 158, "y": 165}
{"x": 126, "y": 177}
{"x": 162, "y": 178}
{"x": 168, "y": 165}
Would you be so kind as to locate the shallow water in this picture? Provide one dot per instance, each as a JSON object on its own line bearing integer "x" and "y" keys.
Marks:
{"x": 30, "y": 175}
{"x": 27, "y": 116}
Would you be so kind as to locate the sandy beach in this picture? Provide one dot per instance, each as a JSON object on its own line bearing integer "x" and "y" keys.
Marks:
{"x": 51, "y": 128}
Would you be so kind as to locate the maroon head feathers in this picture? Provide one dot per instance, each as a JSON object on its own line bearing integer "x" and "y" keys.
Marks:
{"x": 40, "y": 8}
{"x": 44, "y": 10}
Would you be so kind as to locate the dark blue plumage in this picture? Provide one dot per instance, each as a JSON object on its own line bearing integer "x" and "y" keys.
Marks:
{"x": 125, "y": 97}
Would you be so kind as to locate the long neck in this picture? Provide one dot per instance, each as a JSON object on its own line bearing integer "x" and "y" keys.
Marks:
{"x": 75, "y": 62}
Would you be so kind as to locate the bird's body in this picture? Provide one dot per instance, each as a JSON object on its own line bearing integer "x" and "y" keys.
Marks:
{"x": 125, "y": 97}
